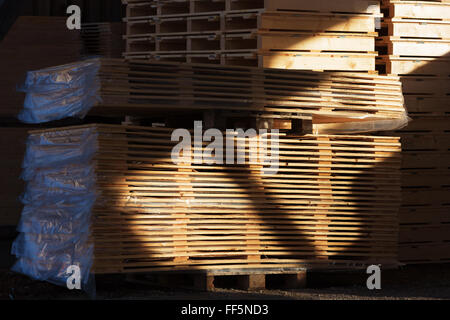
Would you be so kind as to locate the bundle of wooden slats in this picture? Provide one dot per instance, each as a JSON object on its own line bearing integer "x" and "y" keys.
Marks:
{"x": 345, "y": 100}
{"x": 292, "y": 34}
{"x": 333, "y": 202}
{"x": 418, "y": 40}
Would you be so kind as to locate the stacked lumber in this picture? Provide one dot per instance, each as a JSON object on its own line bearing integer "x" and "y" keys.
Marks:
{"x": 419, "y": 46}
{"x": 332, "y": 204}
{"x": 336, "y": 101}
{"x": 102, "y": 39}
{"x": 288, "y": 34}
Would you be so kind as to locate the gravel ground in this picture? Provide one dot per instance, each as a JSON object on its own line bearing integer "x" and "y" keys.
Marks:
{"x": 408, "y": 283}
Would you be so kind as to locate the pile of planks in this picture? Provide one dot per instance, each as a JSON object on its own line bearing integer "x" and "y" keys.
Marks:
{"x": 333, "y": 202}
{"x": 292, "y": 34}
{"x": 417, "y": 39}
{"x": 335, "y": 101}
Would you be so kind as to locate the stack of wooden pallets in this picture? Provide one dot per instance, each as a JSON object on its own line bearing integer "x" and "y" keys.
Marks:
{"x": 332, "y": 201}
{"x": 332, "y": 204}
{"x": 417, "y": 39}
{"x": 335, "y": 101}
{"x": 292, "y": 34}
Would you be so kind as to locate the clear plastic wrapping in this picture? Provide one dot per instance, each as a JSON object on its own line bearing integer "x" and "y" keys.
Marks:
{"x": 60, "y": 92}
{"x": 59, "y": 197}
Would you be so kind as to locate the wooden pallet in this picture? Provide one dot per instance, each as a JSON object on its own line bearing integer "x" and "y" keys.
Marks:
{"x": 415, "y": 38}
{"x": 333, "y": 202}
{"x": 416, "y": 28}
{"x": 140, "y": 7}
{"x": 413, "y": 47}
{"x": 311, "y": 36}
{"x": 427, "y": 10}
{"x": 189, "y": 24}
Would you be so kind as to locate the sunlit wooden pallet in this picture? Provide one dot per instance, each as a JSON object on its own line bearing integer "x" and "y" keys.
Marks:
{"x": 416, "y": 28}
{"x": 245, "y": 20}
{"x": 295, "y": 43}
{"x": 413, "y": 47}
{"x": 396, "y": 65}
{"x": 320, "y": 61}
{"x": 251, "y": 32}
{"x": 333, "y": 201}
{"x": 436, "y": 10}
{"x": 139, "y": 8}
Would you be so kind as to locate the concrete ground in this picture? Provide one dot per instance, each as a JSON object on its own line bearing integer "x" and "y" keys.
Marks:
{"x": 426, "y": 282}
{"x": 421, "y": 282}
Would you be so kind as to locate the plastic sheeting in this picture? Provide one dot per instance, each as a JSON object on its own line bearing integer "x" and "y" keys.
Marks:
{"x": 59, "y": 197}
{"x": 60, "y": 92}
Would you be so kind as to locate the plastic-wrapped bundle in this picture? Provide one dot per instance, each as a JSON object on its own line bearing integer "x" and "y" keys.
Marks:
{"x": 337, "y": 102}
{"x": 59, "y": 92}
{"x": 59, "y": 197}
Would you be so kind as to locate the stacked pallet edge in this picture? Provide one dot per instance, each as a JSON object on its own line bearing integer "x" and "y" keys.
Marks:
{"x": 416, "y": 45}
{"x": 310, "y": 35}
